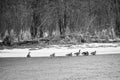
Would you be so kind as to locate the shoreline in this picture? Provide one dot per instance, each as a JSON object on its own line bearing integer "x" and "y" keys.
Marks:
{"x": 62, "y": 50}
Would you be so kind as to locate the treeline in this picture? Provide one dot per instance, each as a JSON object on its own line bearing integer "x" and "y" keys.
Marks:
{"x": 81, "y": 20}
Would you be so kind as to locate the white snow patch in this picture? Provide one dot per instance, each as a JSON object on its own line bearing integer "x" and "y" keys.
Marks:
{"x": 100, "y": 48}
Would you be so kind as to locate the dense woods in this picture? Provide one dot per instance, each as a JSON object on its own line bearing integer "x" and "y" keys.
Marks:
{"x": 66, "y": 20}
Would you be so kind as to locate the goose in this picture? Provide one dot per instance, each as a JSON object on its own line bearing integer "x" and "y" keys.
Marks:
{"x": 70, "y": 54}
{"x": 85, "y": 53}
{"x": 52, "y": 55}
{"x": 93, "y": 53}
{"x": 77, "y": 53}
{"x": 28, "y": 55}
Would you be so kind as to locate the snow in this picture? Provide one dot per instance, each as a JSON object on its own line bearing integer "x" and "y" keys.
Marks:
{"x": 62, "y": 50}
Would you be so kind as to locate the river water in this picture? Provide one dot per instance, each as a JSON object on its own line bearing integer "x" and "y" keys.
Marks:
{"x": 99, "y": 67}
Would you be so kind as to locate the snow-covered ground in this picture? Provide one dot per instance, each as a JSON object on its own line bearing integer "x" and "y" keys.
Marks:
{"x": 62, "y": 50}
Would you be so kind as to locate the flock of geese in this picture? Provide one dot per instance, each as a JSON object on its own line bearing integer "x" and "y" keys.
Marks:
{"x": 70, "y": 54}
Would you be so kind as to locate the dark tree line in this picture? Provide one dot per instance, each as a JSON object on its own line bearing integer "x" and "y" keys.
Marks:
{"x": 30, "y": 19}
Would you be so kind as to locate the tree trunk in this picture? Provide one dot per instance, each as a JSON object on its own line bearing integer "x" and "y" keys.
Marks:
{"x": 117, "y": 21}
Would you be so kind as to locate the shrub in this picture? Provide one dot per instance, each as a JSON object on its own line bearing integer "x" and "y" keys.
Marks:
{"x": 7, "y": 41}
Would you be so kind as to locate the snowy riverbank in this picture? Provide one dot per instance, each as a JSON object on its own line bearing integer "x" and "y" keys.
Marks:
{"x": 62, "y": 50}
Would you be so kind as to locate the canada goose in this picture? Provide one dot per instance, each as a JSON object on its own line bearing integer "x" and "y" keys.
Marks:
{"x": 93, "y": 53}
{"x": 52, "y": 55}
{"x": 85, "y": 53}
{"x": 28, "y": 55}
{"x": 77, "y": 53}
{"x": 70, "y": 54}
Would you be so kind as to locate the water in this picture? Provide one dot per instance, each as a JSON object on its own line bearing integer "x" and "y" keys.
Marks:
{"x": 99, "y": 67}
